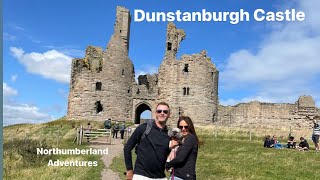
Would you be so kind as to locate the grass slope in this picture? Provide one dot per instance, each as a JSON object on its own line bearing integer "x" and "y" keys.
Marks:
{"x": 22, "y": 162}
{"x": 230, "y": 155}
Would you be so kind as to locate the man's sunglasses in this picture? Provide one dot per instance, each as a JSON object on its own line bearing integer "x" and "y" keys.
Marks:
{"x": 185, "y": 127}
{"x": 164, "y": 111}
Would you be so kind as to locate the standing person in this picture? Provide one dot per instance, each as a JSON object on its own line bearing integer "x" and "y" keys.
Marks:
{"x": 152, "y": 149}
{"x": 107, "y": 124}
{"x": 122, "y": 128}
{"x": 184, "y": 163}
{"x": 316, "y": 134}
{"x": 115, "y": 130}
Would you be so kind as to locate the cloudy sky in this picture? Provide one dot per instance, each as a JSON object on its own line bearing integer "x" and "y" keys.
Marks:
{"x": 265, "y": 61}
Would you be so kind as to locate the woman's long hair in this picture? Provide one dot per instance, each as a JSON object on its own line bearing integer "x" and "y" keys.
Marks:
{"x": 190, "y": 126}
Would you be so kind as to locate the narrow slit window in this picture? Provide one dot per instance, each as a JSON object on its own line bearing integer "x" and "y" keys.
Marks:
{"x": 188, "y": 90}
{"x": 169, "y": 47}
{"x": 122, "y": 73}
{"x": 186, "y": 68}
{"x": 98, "y": 86}
{"x": 184, "y": 91}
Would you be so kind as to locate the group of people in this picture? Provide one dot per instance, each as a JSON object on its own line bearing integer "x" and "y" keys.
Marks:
{"x": 303, "y": 145}
{"x": 116, "y": 128}
{"x": 151, "y": 142}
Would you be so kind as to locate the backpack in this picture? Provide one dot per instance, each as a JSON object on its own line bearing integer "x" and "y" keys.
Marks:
{"x": 145, "y": 133}
{"x": 116, "y": 127}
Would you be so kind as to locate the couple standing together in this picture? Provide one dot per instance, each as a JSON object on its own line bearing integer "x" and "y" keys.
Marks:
{"x": 153, "y": 149}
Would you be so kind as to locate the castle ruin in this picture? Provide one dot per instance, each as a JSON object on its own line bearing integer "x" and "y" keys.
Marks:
{"x": 103, "y": 83}
{"x": 103, "y": 86}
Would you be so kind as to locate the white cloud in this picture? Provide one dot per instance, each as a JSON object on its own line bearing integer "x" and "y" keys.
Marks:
{"x": 14, "y": 112}
{"x": 14, "y": 77}
{"x": 51, "y": 64}
{"x": 286, "y": 64}
{"x": 23, "y": 113}
{"x": 146, "y": 69}
{"x": 68, "y": 50}
{"x": 8, "y": 91}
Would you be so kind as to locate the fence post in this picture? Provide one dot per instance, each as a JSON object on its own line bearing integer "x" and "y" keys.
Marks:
{"x": 81, "y": 134}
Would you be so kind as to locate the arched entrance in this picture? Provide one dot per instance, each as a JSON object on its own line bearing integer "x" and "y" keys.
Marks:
{"x": 140, "y": 108}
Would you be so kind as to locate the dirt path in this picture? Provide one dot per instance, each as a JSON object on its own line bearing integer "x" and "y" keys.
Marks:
{"x": 115, "y": 149}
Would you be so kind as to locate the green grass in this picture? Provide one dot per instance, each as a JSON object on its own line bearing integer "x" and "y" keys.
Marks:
{"x": 224, "y": 154}
{"x": 233, "y": 156}
{"x": 21, "y": 161}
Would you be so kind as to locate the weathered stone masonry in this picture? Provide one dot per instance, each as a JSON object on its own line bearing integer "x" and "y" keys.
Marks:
{"x": 103, "y": 86}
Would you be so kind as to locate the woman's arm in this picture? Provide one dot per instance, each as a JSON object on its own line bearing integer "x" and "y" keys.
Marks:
{"x": 183, "y": 152}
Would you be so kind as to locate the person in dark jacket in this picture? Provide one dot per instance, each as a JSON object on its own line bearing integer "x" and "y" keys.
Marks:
{"x": 291, "y": 142}
{"x": 303, "y": 145}
{"x": 152, "y": 150}
{"x": 184, "y": 163}
{"x": 122, "y": 129}
{"x": 268, "y": 142}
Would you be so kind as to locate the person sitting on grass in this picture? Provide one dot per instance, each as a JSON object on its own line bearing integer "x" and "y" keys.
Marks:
{"x": 267, "y": 142}
{"x": 291, "y": 142}
{"x": 303, "y": 145}
{"x": 275, "y": 143}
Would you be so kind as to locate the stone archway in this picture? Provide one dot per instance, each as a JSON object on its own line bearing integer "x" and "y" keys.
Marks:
{"x": 140, "y": 108}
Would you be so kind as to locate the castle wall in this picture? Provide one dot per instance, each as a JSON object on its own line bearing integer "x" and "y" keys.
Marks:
{"x": 268, "y": 115}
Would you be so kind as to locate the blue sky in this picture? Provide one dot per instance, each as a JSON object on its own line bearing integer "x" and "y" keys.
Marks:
{"x": 265, "y": 61}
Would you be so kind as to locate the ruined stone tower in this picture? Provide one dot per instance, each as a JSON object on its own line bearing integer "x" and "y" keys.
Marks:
{"x": 189, "y": 85}
{"x": 101, "y": 82}
{"x": 103, "y": 86}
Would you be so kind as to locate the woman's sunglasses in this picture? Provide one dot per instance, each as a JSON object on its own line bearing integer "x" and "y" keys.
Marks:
{"x": 185, "y": 127}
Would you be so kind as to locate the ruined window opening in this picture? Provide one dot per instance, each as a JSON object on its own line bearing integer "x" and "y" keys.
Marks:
{"x": 184, "y": 91}
{"x": 122, "y": 72}
{"x": 120, "y": 31}
{"x": 128, "y": 90}
{"x": 98, "y": 86}
{"x": 99, "y": 107}
{"x": 169, "y": 46}
{"x": 186, "y": 68}
{"x": 138, "y": 91}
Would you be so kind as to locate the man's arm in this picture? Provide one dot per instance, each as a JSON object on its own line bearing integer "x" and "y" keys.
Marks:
{"x": 131, "y": 143}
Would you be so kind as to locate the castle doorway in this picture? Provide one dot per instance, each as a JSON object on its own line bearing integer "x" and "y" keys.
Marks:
{"x": 142, "y": 113}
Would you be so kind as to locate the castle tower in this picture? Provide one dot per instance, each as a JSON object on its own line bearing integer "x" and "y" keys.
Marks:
{"x": 189, "y": 85}
{"x": 119, "y": 70}
{"x": 101, "y": 82}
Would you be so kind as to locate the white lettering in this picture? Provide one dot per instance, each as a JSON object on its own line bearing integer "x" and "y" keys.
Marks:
{"x": 136, "y": 15}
